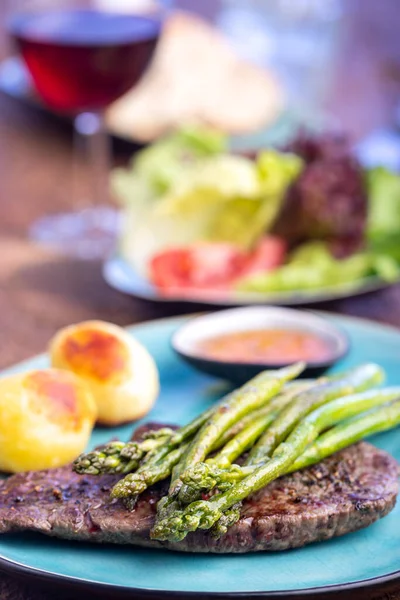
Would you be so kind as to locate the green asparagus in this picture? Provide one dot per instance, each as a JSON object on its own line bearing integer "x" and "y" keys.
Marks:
{"x": 136, "y": 483}
{"x": 165, "y": 444}
{"x": 358, "y": 379}
{"x": 246, "y": 438}
{"x": 204, "y": 514}
{"x": 120, "y": 457}
{"x": 124, "y": 457}
{"x": 114, "y": 457}
{"x": 340, "y": 436}
{"x": 149, "y": 473}
{"x": 349, "y": 432}
{"x": 149, "y": 469}
{"x": 199, "y": 477}
{"x": 335, "y": 439}
{"x": 248, "y": 398}
{"x": 202, "y": 472}
{"x": 278, "y": 420}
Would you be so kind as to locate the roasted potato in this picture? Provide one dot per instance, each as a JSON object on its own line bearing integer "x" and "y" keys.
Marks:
{"x": 120, "y": 372}
{"x": 46, "y": 418}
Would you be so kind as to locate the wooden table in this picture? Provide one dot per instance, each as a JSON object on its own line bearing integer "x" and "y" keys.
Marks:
{"x": 41, "y": 291}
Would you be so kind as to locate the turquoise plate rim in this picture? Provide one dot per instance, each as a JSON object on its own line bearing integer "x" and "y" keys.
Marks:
{"x": 13, "y": 567}
{"x": 383, "y": 582}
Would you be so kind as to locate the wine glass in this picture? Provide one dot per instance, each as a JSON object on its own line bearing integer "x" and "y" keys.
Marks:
{"x": 82, "y": 55}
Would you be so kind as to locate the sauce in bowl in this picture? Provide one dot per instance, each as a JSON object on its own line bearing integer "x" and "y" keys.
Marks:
{"x": 272, "y": 346}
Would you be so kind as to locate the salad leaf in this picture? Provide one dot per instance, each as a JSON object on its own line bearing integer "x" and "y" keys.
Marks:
{"x": 383, "y": 230}
{"x": 161, "y": 164}
{"x": 384, "y": 203}
{"x": 185, "y": 189}
{"x": 387, "y": 244}
{"x": 241, "y": 197}
{"x": 139, "y": 188}
{"x": 312, "y": 266}
{"x": 242, "y": 221}
{"x": 385, "y": 266}
{"x": 213, "y": 180}
{"x": 276, "y": 170}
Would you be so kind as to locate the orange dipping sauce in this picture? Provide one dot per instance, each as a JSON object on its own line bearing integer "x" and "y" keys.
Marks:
{"x": 270, "y": 346}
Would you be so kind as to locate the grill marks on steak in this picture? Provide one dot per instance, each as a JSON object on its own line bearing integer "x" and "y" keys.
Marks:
{"x": 345, "y": 492}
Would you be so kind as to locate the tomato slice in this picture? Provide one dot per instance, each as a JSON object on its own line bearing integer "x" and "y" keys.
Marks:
{"x": 269, "y": 254}
{"x": 213, "y": 266}
{"x": 199, "y": 266}
{"x": 170, "y": 268}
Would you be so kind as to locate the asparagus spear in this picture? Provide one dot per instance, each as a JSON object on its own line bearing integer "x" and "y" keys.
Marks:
{"x": 136, "y": 483}
{"x": 358, "y": 379}
{"x": 349, "y": 432}
{"x": 165, "y": 444}
{"x": 198, "y": 478}
{"x": 114, "y": 457}
{"x": 120, "y": 457}
{"x": 179, "y": 436}
{"x": 124, "y": 457}
{"x": 189, "y": 430}
{"x": 156, "y": 470}
{"x": 204, "y": 514}
{"x": 204, "y": 476}
{"x": 257, "y": 424}
{"x": 335, "y": 439}
{"x": 152, "y": 471}
{"x": 250, "y": 397}
{"x": 338, "y": 437}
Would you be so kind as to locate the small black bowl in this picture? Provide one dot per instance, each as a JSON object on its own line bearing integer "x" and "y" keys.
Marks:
{"x": 186, "y": 339}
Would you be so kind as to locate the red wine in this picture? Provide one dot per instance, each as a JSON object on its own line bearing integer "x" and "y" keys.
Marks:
{"x": 84, "y": 59}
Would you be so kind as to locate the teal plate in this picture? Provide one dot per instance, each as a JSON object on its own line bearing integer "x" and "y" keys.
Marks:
{"x": 365, "y": 560}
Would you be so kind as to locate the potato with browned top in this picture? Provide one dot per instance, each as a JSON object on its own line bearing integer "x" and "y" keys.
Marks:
{"x": 46, "y": 418}
{"x": 120, "y": 372}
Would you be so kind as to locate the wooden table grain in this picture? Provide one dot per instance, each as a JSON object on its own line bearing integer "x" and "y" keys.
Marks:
{"x": 41, "y": 291}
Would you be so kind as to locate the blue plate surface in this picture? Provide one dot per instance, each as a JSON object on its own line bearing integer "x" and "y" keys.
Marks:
{"x": 351, "y": 561}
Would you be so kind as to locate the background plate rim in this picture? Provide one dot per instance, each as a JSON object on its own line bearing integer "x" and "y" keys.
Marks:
{"x": 122, "y": 277}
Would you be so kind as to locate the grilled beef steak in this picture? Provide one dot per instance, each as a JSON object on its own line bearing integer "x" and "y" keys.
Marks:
{"x": 345, "y": 492}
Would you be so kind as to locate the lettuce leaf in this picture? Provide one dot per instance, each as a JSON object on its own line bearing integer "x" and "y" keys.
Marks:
{"x": 214, "y": 180}
{"x": 384, "y": 203}
{"x": 383, "y": 231}
{"x": 161, "y": 164}
{"x": 312, "y": 266}
{"x": 185, "y": 189}
{"x": 240, "y": 197}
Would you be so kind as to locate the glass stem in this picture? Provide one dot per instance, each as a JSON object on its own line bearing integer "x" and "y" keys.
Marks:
{"x": 92, "y": 161}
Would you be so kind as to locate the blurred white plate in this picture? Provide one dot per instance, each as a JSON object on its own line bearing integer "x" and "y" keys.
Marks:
{"x": 121, "y": 276}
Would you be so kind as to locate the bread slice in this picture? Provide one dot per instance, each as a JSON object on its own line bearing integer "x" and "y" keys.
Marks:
{"x": 196, "y": 77}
